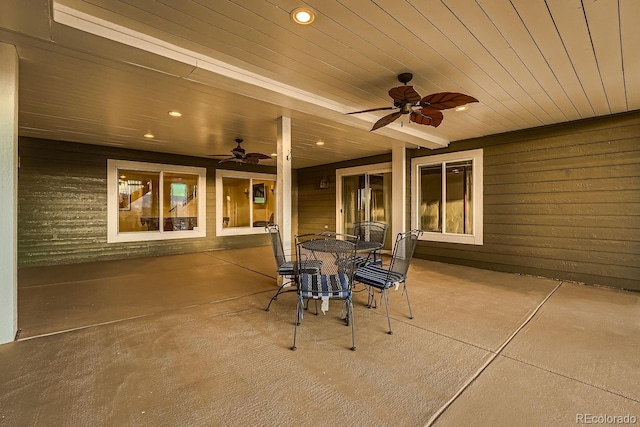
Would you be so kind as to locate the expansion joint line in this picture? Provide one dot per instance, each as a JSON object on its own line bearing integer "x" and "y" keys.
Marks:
{"x": 466, "y": 385}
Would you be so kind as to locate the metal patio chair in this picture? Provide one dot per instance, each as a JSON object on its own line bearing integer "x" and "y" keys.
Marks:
{"x": 334, "y": 280}
{"x": 285, "y": 268}
{"x": 371, "y": 231}
{"x": 375, "y": 277}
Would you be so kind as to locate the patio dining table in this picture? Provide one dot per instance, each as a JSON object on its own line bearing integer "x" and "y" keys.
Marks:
{"x": 361, "y": 245}
{"x": 366, "y": 246}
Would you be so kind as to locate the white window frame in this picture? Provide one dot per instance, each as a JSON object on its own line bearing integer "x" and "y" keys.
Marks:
{"x": 114, "y": 236}
{"x": 476, "y": 156}
{"x": 238, "y": 231}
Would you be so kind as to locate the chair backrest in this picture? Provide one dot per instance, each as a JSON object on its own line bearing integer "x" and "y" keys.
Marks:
{"x": 403, "y": 251}
{"x": 371, "y": 231}
{"x": 276, "y": 244}
{"x": 334, "y": 252}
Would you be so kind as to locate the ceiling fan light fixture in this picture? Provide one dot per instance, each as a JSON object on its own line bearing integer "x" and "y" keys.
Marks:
{"x": 303, "y": 16}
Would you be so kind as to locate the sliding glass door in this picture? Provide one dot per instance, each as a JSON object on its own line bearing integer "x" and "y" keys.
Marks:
{"x": 364, "y": 194}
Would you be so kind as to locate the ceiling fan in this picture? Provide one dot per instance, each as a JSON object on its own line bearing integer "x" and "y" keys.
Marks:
{"x": 239, "y": 155}
{"x": 422, "y": 110}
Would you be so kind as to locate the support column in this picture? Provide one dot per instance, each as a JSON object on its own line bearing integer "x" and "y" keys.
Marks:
{"x": 9, "y": 191}
{"x": 283, "y": 181}
{"x": 398, "y": 191}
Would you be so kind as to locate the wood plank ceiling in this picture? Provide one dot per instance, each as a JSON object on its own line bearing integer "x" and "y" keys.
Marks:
{"x": 232, "y": 67}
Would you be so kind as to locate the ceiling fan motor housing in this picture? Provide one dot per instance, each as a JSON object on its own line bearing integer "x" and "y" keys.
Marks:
{"x": 405, "y": 78}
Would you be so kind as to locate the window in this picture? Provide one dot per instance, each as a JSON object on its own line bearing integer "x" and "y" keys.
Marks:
{"x": 245, "y": 202}
{"x": 447, "y": 199}
{"x": 148, "y": 201}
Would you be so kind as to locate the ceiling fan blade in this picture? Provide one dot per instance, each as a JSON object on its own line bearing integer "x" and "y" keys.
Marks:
{"x": 389, "y": 118}
{"x": 425, "y": 116}
{"x": 404, "y": 94}
{"x": 372, "y": 109}
{"x": 257, "y": 156}
{"x": 232, "y": 159}
{"x": 445, "y": 100}
{"x": 251, "y": 160}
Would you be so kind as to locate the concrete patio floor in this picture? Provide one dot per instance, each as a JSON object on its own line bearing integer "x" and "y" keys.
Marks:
{"x": 184, "y": 341}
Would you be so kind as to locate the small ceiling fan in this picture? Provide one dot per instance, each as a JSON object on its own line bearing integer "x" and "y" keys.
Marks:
{"x": 239, "y": 155}
{"x": 422, "y": 110}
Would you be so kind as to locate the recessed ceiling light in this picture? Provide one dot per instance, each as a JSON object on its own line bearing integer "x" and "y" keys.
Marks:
{"x": 462, "y": 108}
{"x": 174, "y": 113}
{"x": 274, "y": 154}
{"x": 149, "y": 135}
{"x": 320, "y": 143}
{"x": 303, "y": 15}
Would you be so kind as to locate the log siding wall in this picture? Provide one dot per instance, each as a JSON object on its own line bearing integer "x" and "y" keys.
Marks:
{"x": 62, "y": 205}
{"x": 561, "y": 201}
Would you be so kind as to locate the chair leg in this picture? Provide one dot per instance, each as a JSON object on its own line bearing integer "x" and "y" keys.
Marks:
{"x": 344, "y": 312}
{"x": 350, "y": 317}
{"x": 299, "y": 306}
{"x": 280, "y": 291}
{"x": 376, "y": 255}
{"x": 371, "y": 297}
{"x": 406, "y": 294}
{"x": 385, "y": 293}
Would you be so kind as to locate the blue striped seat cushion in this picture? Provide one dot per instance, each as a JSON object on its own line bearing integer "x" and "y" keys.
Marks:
{"x": 324, "y": 285}
{"x": 288, "y": 268}
{"x": 378, "y": 277}
{"x": 362, "y": 261}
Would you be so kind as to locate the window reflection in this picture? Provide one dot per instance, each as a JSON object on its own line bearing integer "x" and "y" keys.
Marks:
{"x": 263, "y": 202}
{"x": 459, "y": 201}
{"x": 180, "y": 204}
{"x": 431, "y": 197}
{"x": 235, "y": 210}
{"x": 247, "y": 202}
{"x": 138, "y": 201}
{"x": 458, "y": 209}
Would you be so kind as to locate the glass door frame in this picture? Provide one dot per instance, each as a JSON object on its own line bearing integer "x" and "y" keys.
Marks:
{"x": 357, "y": 170}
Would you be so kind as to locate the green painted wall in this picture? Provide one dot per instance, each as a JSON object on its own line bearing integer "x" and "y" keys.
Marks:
{"x": 560, "y": 201}
{"x": 62, "y": 205}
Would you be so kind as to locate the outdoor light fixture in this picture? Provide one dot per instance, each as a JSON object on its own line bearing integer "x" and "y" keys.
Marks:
{"x": 303, "y": 16}
{"x": 324, "y": 182}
